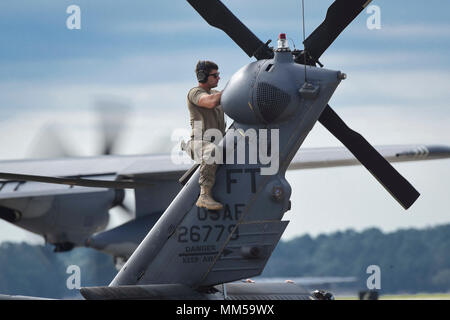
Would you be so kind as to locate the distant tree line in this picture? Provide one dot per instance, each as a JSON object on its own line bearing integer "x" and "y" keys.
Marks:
{"x": 410, "y": 261}
{"x": 34, "y": 270}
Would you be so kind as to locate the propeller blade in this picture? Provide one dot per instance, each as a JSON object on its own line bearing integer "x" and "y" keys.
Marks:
{"x": 339, "y": 15}
{"x": 217, "y": 15}
{"x": 50, "y": 143}
{"x": 112, "y": 117}
{"x": 379, "y": 167}
{"x": 110, "y": 184}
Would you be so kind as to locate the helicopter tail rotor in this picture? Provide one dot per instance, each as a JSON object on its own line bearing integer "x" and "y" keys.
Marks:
{"x": 339, "y": 15}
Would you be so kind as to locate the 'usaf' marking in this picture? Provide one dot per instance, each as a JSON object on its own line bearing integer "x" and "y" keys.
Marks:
{"x": 203, "y": 214}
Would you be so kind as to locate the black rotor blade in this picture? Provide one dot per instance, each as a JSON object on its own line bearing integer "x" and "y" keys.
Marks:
{"x": 217, "y": 15}
{"x": 379, "y": 167}
{"x": 339, "y": 15}
{"x": 113, "y": 184}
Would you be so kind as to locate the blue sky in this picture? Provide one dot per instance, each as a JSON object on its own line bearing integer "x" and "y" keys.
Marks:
{"x": 143, "y": 53}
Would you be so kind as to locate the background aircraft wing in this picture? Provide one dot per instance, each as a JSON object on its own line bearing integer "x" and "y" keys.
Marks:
{"x": 165, "y": 168}
{"x": 338, "y": 157}
{"x": 307, "y": 158}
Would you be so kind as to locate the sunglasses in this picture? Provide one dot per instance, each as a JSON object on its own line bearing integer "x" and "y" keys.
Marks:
{"x": 215, "y": 75}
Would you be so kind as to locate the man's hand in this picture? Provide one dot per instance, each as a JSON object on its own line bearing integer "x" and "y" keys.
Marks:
{"x": 210, "y": 101}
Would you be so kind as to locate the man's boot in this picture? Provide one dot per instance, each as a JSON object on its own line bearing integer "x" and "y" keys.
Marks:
{"x": 206, "y": 201}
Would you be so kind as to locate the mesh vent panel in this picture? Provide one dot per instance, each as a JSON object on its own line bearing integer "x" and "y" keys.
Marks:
{"x": 271, "y": 100}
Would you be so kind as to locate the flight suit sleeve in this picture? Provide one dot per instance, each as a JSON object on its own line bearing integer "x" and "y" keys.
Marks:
{"x": 195, "y": 94}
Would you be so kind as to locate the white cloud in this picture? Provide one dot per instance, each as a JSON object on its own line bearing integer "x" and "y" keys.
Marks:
{"x": 40, "y": 97}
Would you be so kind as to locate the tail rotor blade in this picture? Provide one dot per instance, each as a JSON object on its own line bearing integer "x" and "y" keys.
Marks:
{"x": 339, "y": 15}
{"x": 379, "y": 167}
{"x": 219, "y": 16}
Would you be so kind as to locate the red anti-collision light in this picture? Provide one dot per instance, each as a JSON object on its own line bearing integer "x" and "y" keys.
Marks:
{"x": 282, "y": 36}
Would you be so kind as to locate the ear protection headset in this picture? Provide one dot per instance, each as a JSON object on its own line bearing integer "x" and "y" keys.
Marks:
{"x": 202, "y": 72}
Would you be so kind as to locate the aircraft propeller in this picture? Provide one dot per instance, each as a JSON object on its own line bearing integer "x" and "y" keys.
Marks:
{"x": 111, "y": 117}
{"x": 339, "y": 15}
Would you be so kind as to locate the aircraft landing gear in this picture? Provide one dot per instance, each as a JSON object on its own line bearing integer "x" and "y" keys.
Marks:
{"x": 323, "y": 295}
{"x": 63, "y": 246}
{"x": 119, "y": 262}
